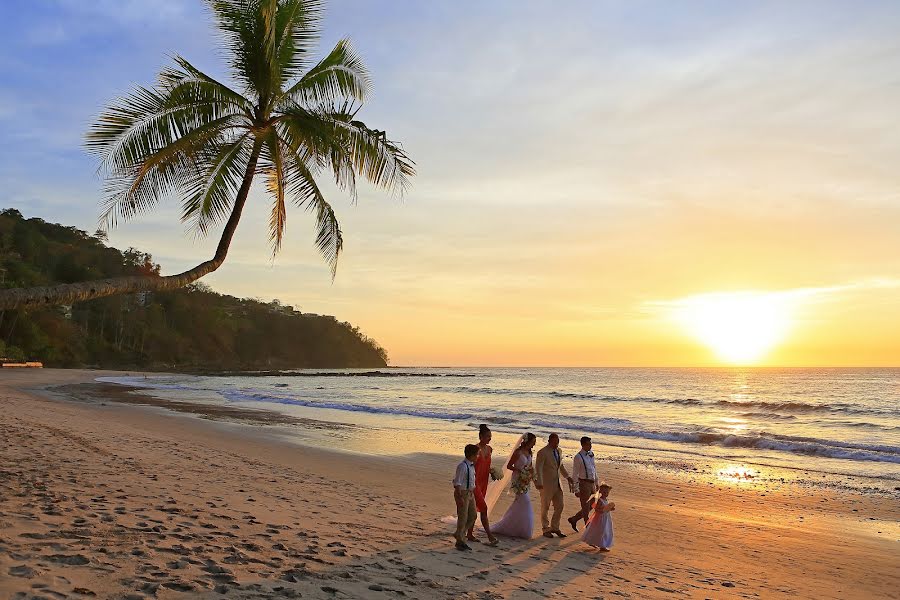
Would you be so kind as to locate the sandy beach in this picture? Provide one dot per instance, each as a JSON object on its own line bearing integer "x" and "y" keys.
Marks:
{"x": 101, "y": 498}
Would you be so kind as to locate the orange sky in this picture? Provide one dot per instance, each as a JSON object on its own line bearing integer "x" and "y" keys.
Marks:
{"x": 516, "y": 286}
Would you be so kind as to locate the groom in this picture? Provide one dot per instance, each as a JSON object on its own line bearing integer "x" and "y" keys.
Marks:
{"x": 546, "y": 479}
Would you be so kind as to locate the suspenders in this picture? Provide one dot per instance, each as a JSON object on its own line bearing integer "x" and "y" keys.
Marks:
{"x": 584, "y": 462}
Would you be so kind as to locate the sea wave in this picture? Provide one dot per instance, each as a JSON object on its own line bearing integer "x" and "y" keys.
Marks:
{"x": 499, "y": 420}
{"x": 797, "y": 407}
{"x": 867, "y": 425}
{"x": 244, "y": 396}
{"x": 465, "y": 389}
{"x": 143, "y": 382}
{"x": 334, "y": 374}
{"x": 761, "y": 440}
{"x": 773, "y": 407}
{"x": 766, "y": 416}
{"x": 608, "y": 426}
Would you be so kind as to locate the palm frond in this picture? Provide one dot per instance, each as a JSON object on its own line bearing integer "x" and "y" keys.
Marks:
{"x": 148, "y": 119}
{"x": 151, "y": 141}
{"x": 275, "y": 183}
{"x": 305, "y": 192}
{"x": 126, "y": 197}
{"x": 340, "y": 75}
{"x": 298, "y": 23}
{"x": 189, "y": 82}
{"x": 212, "y": 190}
{"x": 161, "y": 167}
{"x": 339, "y": 137}
{"x": 382, "y": 161}
{"x": 243, "y": 25}
{"x": 188, "y": 147}
{"x": 129, "y": 128}
{"x": 314, "y": 138}
{"x": 267, "y": 23}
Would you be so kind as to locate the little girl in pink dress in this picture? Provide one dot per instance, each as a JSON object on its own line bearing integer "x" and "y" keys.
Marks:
{"x": 599, "y": 530}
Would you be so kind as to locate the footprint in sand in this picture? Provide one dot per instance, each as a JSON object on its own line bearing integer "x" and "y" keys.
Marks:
{"x": 68, "y": 559}
{"x": 22, "y": 571}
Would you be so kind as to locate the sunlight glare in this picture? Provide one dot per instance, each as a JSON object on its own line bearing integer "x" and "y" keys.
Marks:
{"x": 740, "y": 327}
{"x": 737, "y": 473}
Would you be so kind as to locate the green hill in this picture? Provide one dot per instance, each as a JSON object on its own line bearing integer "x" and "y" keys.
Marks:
{"x": 190, "y": 329}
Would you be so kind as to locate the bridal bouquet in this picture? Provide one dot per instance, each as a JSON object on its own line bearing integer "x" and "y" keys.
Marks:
{"x": 496, "y": 474}
{"x": 522, "y": 480}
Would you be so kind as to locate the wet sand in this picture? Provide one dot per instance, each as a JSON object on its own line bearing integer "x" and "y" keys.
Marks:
{"x": 105, "y": 493}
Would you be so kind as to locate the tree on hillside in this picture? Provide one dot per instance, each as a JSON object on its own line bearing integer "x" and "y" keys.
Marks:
{"x": 188, "y": 328}
{"x": 193, "y": 136}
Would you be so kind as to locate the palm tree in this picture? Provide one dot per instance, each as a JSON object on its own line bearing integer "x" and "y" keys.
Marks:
{"x": 193, "y": 136}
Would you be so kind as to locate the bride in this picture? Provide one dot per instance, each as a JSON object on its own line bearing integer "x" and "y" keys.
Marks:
{"x": 518, "y": 521}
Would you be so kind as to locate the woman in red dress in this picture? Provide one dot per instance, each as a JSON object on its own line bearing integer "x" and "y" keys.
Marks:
{"x": 482, "y": 478}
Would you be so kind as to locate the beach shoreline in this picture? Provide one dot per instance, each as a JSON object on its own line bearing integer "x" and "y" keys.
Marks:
{"x": 777, "y": 428}
{"x": 104, "y": 496}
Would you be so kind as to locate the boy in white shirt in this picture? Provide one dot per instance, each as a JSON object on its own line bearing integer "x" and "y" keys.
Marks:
{"x": 463, "y": 494}
{"x": 584, "y": 472}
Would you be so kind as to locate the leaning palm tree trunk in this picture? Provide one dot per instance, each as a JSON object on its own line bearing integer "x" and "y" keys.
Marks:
{"x": 88, "y": 290}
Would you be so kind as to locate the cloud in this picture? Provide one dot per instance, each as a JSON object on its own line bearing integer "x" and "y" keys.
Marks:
{"x": 793, "y": 297}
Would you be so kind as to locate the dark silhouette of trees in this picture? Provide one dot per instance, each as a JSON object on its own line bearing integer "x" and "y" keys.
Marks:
{"x": 193, "y": 328}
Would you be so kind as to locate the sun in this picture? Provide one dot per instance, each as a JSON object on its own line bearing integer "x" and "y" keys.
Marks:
{"x": 740, "y": 327}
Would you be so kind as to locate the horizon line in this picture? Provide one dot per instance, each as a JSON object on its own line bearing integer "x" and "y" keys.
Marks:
{"x": 637, "y": 367}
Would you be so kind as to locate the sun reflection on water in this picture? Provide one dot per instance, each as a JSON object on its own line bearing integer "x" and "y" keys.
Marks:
{"x": 733, "y": 425}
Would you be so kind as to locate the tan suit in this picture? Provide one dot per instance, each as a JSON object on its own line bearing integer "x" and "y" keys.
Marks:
{"x": 546, "y": 474}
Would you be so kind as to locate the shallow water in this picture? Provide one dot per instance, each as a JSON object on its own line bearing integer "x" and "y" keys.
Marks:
{"x": 843, "y": 422}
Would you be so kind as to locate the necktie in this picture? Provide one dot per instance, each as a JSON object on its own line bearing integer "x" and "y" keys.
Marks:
{"x": 556, "y": 456}
{"x": 468, "y": 477}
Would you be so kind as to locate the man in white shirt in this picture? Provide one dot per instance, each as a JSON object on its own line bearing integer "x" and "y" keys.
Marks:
{"x": 584, "y": 472}
{"x": 463, "y": 494}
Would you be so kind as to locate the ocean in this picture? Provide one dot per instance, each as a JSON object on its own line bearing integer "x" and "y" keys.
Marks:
{"x": 816, "y": 426}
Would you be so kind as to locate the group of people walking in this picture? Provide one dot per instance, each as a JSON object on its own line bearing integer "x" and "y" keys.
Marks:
{"x": 473, "y": 482}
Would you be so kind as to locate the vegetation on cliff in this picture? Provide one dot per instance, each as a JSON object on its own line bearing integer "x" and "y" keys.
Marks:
{"x": 187, "y": 329}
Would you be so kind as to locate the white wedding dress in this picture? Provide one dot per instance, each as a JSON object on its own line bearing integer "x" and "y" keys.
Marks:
{"x": 518, "y": 522}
